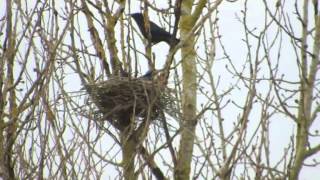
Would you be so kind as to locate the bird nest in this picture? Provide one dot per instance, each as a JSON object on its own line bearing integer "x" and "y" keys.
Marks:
{"x": 120, "y": 99}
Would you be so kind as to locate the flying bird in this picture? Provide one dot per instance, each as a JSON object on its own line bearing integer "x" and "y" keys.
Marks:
{"x": 158, "y": 34}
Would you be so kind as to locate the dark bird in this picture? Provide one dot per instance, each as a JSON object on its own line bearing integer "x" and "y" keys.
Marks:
{"x": 158, "y": 34}
{"x": 148, "y": 75}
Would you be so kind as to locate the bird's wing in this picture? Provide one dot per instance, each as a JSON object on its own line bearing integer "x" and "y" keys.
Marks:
{"x": 156, "y": 30}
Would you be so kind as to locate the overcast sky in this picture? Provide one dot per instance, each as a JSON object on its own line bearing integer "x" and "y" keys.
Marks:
{"x": 232, "y": 34}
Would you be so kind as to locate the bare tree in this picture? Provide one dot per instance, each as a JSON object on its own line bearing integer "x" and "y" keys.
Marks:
{"x": 227, "y": 102}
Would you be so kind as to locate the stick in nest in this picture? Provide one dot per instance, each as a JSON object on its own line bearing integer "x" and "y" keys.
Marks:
{"x": 120, "y": 99}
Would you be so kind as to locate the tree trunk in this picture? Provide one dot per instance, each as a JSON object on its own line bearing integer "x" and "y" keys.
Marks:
{"x": 189, "y": 97}
{"x": 128, "y": 154}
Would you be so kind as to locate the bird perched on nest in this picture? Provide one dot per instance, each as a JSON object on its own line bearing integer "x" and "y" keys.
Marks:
{"x": 158, "y": 34}
{"x": 155, "y": 76}
{"x": 148, "y": 75}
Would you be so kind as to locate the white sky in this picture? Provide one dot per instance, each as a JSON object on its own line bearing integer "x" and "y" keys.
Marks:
{"x": 280, "y": 128}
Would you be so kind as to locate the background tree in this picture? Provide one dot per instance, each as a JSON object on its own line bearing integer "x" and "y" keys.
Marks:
{"x": 243, "y": 88}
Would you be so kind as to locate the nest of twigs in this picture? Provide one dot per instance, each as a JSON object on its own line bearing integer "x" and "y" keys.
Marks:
{"x": 120, "y": 99}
